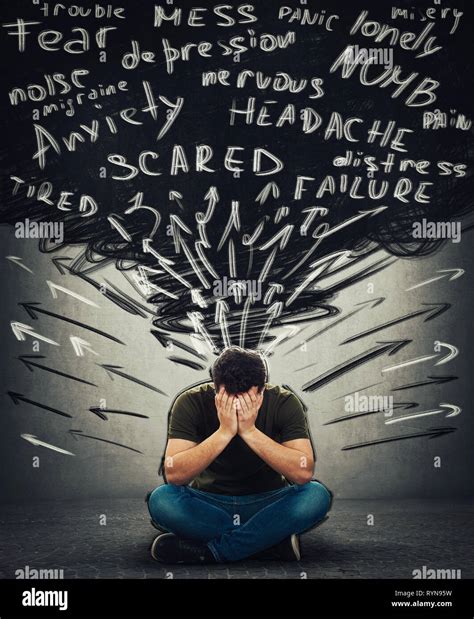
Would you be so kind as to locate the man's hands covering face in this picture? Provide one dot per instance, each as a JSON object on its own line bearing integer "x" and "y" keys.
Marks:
{"x": 247, "y": 406}
{"x": 226, "y": 412}
{"x": 237, "y": 413}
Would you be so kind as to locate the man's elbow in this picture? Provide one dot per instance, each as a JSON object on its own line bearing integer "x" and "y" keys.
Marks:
{"x": 304, "y": 474}
{"x": 303, "y": 477}
{"x": 174, "y": 478}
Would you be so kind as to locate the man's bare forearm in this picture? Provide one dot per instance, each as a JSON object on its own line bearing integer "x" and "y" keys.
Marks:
{"x": 293, "y": 464}
{"x": 184, "y": 466}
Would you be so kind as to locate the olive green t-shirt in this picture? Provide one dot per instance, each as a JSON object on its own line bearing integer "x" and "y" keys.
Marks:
{"x": 237, "y": 470}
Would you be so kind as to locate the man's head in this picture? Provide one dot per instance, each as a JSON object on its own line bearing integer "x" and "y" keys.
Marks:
{"x": 237, "y": 370}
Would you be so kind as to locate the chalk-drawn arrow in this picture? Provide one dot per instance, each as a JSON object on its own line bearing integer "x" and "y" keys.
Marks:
{"x": 34, "y": 440}
{"x": 186, "y": 362}
{"x": 382, "y": 348}
{"x": 116, "y": 369}
{"x": 453, "y": 352}
{"x": 244, "y": 320}
{"x": 58, "y": 263}
{"x": 19, "y": 397}
{"x": 273, "y": 312}
{"x": 138, "y": 207}
{"x": 435, "y": 309}
{"x": 371, "y": 303}
{"x": 212, "y": 198}
{"x": 117, "y": 225}
{"x": 19, "y": 262}
{"x": 270, "y": 188}
{"x": 55, "y": 287}
{"x": 122, "y": 300}
{"x": 431, "y": 433}
{"x": 455, "y": 410}
{"x": 176, "y": 196}
{"x": 291, "y": 331}
{"x": 102, "y": 413}
{"x": 21, "y": 331}
{"x": 164, "y": 263}
{"x": 76, "y": 433}
{"x": 30, "y": 363}
{"x": 405, "y": 405}
{"x": 348, "y": 222}
{"x": 455, "y": 274}
{"x": 222, "y": 309}
{"x": 81, "y": 345}
{"x": 432, "y": 380}
{"x": 197, "y": 320}
{"x": 35, "y": 308}
{"x": 165, "y": 340}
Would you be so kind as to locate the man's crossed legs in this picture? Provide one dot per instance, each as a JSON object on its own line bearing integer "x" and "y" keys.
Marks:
{"x": 229, "y": 528}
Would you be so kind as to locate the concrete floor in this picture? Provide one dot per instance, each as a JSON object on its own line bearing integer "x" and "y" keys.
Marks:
{"x": 406, "y": 535}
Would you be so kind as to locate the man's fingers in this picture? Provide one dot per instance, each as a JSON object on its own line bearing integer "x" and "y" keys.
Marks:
{"x": 244, "y": 404}
{"x": 225, "y": 399}
{"x": 248, "y": 401}
{"x": 229, "y": 403}
{"x": 219, "y": 395}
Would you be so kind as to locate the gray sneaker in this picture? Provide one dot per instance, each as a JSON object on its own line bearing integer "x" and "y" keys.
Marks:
{"x": 287, "y": 550}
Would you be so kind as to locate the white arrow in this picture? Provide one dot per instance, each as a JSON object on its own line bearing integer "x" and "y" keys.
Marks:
{"x": 164, "y": 262}
{"x": 31, "y": 438}
{"x": 137, "y": 207}
{"x": 175, "y": 196}
{"x": 196, "y": 319}
{"x": 453, "y": 352}
{"x": 197, "y": 298}
{"x": 54, "y": 287}
{"x": 273, "y": 312}
{"x": 319, "y": 266}
{"x": 21, "y": 331}
{"x": 350, "y": 221}
{"x": 148, "y": 249}
{"x": 222, "y": 308}
{"x": 404, "y": 364}
{"x": 120, "y": 229}
{"x": 80, "y": 345}
{"x": 455, "y": 410}
{"x": 272, "y": 188}
{"x": 18, "y": 261}
{"x": 292, "y": 330}
{"x": 456, "y": 274}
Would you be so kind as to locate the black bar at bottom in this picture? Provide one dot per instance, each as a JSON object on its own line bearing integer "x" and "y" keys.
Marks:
{"x": 167, "y": 599}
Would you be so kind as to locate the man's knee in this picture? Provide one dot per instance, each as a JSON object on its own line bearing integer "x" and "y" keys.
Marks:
{"x": 160, "y": 502}
{"x": 315, "y": 501}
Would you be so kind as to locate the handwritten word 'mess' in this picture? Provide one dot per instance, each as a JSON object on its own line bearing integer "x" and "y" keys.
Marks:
{"x": 225, "y": 15}
{"x": 53, "y": 40}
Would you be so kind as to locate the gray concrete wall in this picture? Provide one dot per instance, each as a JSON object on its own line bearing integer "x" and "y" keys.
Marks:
{"x": 398, "y": 469}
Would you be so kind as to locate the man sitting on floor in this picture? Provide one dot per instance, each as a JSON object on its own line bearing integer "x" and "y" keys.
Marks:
{"x": 239, "y": 463}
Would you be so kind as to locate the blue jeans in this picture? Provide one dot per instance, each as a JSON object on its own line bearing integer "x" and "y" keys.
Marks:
{"x": 235, "y": 527}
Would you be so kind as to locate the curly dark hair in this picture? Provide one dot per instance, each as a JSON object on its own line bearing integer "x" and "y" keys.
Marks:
{"x": 238, "y": 369}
